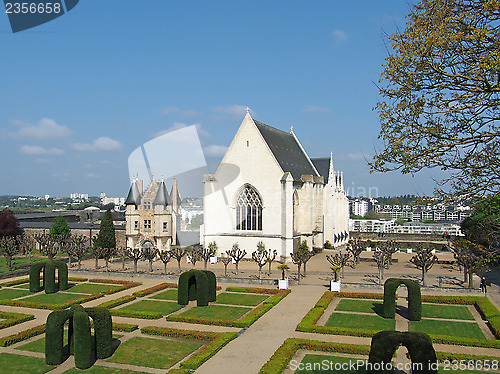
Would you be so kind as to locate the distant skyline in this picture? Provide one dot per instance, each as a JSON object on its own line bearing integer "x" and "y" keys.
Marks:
{"x": 82, "y": 92}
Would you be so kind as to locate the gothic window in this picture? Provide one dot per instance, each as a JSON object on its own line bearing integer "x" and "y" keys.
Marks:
{"x": 147, "y": 224}
{"x": 248, "y": 210}
{"x": 147, "y": 205}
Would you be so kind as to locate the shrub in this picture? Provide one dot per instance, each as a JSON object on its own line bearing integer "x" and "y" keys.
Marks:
{"x": 14, "y": 282}
{"x": 414, "y": 298}
{"x": 135, "y": 314}
{"x": 125, "y": 327}
{"x": 103, "y": 330}
{"x": 23, "y": 335}
{"x": 117, "y": 302}
{"x": 150, "y": 290}
{"x": 11, "y": 319}
{"x": 193, "y": 285}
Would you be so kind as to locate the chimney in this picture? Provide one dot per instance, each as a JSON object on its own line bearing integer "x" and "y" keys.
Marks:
{"x": 141, "y": 187}
{"x": 175, "y": 203}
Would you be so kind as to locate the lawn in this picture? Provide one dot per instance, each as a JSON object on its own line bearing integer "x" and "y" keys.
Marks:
{"x": 167, "y": 295}
{"x": 363, "y": 306}
{"x": 53, "y": 298}
{"x": 216, "y": 312}
{"x": 446, "y": 311}
{"x": 92, "y": 288}
{"x": 321, "y": 364}
{"x": 449, "y": 328}
{"x": 358, "y": 321}
{"x": 95, "y": 369}
{"x": 240, "y": 299}
{"x": 39, "y": 344}
{"x": 154, "y": 353}
{"x": 18, "y": 261}
{"x": 10, "y": 363}
{"x": 9, "y": 293}
{"x": 163, "y": 307}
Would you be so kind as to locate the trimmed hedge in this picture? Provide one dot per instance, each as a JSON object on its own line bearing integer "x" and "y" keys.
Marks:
{"x": 217, "y": 342}
{"x": 212, "y": 285}
{"x": 54, "y": 336}
{"x": 150, "y": 290}
{"x": 193, "y": 285}
{"x": 14, "y": 282}
{"x": 135, "y": 314}
{"x": 7, "y": 341}
{"x": 103, "y": 330}
{"x": 11, "y": 319}
{"x": 49, "y": 276}
{"x": 124, "y": 327}
{"x": 385, "y": 343}
{"x": 280, "y": 360}
{"x": 414, "y": 298}
{"x": 252, "y": 290}
{"x": 120, "y": 301}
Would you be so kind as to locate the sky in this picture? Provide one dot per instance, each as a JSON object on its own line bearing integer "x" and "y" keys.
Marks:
{"x": 80, "y": 93}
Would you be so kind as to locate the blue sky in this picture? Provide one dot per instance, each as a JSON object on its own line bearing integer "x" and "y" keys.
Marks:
{"x": 80, "y": 93}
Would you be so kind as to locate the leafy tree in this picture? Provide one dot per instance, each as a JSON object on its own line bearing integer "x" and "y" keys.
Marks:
{"x": 59, "y": 228}
{"x": 305, "y": 254}
{"x": 424, "y": 259}
{"x": 339, "y": 260}
{"x": 237, "y": 255}
{"x": 8, "y": 248}
{"x": 483, "y": 226}
{"x": 283, "y": 268}
{"x": 440, "y": 94}
{"x": 106, "y": 237}
{"x": 208, "y": 252}
{"x": 9, "y": 224}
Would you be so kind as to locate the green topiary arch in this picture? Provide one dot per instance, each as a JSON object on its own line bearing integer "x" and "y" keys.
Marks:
{"x": 49, "y": 276}
{"x": 414, "y": 298}
{"x": 420, "y": 349}
{"x": 79, "y": 335}
{"x": 199, "y": 285}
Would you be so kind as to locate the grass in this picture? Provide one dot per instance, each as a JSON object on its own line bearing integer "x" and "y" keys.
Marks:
{"x": 95, "y": 369}
{"x": 324, "y": 363}
{"x": 17, "y": 261}
{"x": 92, "y": 288}
{"x": 10, "y": 363}
{"x": 449, "y": 328}
{"x": 446, "y": 311}
{"x": 240, "y": 299}
{"x": 167, "y": 295}
{"x": 363, "y": 306}
{"x": 163, "y": 307}
{"x": 39, "y": 344}
{"x": 9, "y": 293}
{"x": 53, "y": 298}
{"x": 154, "y": 353}
{"x": 24, "y": 286}
{"x": 357, "y": 321}
{"x": 217, "y": 312}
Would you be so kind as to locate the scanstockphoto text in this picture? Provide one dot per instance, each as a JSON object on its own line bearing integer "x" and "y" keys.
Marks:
{"x": 357, "y": 364}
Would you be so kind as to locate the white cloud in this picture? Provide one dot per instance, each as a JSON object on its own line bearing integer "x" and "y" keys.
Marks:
{"x": 91, "y": 176}
{"x": 339, "y": 35}
{"x": 316, "y": 109}
{"x": 100, "y": 144}
{"x": 215, "y": 150}
{"x": 176, "y": 110}
{"x": 181, "y": 125}
{"x": 38, "y": 150}
{"x": 45, "y": 129}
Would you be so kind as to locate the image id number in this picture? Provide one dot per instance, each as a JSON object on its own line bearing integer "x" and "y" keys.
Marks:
{"x": 24, "y": 8}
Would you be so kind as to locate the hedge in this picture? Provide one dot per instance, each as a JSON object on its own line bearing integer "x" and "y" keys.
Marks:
{"x": 193, "y": 285}
{"x": 49, "y": 276}
{"x": 11, "y": 319}
{"x": 414, "y": 298}
{"x": 23, "y": 335}
{"x": 120, "y": 301}
{"x": 14, "y": 282}
{"x": 217, "y": 342}
{"x": 280, "y": 360}
{"x": 124, "y": 327}
{"x": 253, "y": 290}
{"x": 470, "y": 342}
{"x": 135, "y": 314}
{"x": 103, "y": 330}
{"x": 154, "y": 289}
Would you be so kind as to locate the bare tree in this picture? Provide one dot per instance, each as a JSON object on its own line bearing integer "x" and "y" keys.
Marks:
{"x": 355, "y": 247}
{"x": 79, "y": 247}
{"x": 149, "y": 252}
{"x": 225, "y": 261}
{"x": 165, "y": 257}
{"x": 382, "y": 258}
{"x": 106, "y": 254}
{"x": 339, "y": 259}
{"x": 194, "y": 254}
{"x": 424, "y": 259}
{"x": 122, "y": 252}
{"x": 297, "y": 260}
{"x": 473, "y": 257}
{"x": 271, "y": 256}
{"x": 389, "y": 247}
{"x": 208, "y": 252}
{"x": 8, "y": 247}
{"x": 260, "y": 258}
{"x": 48, "y": 244}
{"x": 135, "y": 254}
{"x": 237, "y": 255}
{"x": 28, "y": 245}
{"x": 97, "y": 254}
{"x": 178, "y": 253}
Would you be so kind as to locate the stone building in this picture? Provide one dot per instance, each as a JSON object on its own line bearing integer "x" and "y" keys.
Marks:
{"x": 268, "y": 189}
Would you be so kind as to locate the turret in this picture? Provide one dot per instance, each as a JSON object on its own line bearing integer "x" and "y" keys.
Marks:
{"x": 134, "y": 196}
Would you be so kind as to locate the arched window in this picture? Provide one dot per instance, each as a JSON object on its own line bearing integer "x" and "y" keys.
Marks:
{"x": 248, "y": 209}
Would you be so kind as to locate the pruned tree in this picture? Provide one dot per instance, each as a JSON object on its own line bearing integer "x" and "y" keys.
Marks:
{"x": 48, "y": 245}
{"x": 149, "y": 253}
{"x": 271, "y": 256}
{"x": 135, "y": 254}
{"x": 236, "y": 254}
{"x": 260, "y": 257}
{"x": 339, "y": 259}
{"x": 389, "y": 247}
{"x": 178, "y": 253}
{"x": 382, "y": 258}
{"x": 106, "y": 254}
{"x": 355, "y": 247}
{"x": 8, "y": 248}
{"x": 27, "y": 244}
{"x": 207, "y": 253}
{"x": 226, "y": 261}
{"x": 79, "y": 248}
{"x": 165, "y": 257}
{"x": 122, "y": 252}
{"x": 296, "y": 258}
{"x": 305, "y": 254}
{"x": 440, "y": 91}
{"x": 472, "y": 257}
{"x": 194, "y": 253}
{"x": 424, "y": 259}
{"x": 96, "y": 252}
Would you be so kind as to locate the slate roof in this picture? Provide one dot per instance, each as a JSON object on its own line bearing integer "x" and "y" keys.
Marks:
{"x": 134, "y": 197}
{"x": 162, "y": 196}
{"x": 322, "y": 165}
{"x": 287, "y": 151}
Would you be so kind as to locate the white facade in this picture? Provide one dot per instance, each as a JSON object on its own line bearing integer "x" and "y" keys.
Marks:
{"x": 359, "y": 207}
{"x": 267, "y": 189}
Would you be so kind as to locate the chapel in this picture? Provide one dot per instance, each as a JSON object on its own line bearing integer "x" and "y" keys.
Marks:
{"x": 267, "y": 189}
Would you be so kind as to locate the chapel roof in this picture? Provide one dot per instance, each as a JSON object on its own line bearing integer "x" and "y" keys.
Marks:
{"x": 287, "y": 151}
{"x": 322, "y": 165}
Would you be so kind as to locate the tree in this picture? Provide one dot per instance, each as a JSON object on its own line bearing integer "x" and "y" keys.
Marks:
{"x": 194, "y": 254}
{"x": 472, "y": 257}
{"x": 483, "y": 226}
{"x": 106, "y": 237}
{"x": 165, "y": 257}
{"x": 355, "y": 247}
{"x": 297, "y": 260}
{"x": 79, "y": 247}
{"x": 59, "y": 228}
{"x": 178, "y": 253}
{"x": 122, "y": 252}
{"x": 440, "y": 94}
{"x": 236, "y": 254}
{"x": 48, "y": 244}
{"x": 424, "y": 259}
{"x": 305, "y": 254}
{"x": 8, "y": 248}
{"x": 149, "y": 252}
{"x": 283, "y": 268}
{"x": 27, "y": 243}
{"x": 135, "y": 254}
{"x": 226, "y": 261}
{"x": 260, "y": 257}
{"x": 339, "y": 260}
{"x": 208, "y": 252}
{"x": 389, "y": 248}
{"x": 106, "y": 253}
{"x": 382, "y": 258}
{"x": 9, "y": 224}
{"x": 271, "y": 256}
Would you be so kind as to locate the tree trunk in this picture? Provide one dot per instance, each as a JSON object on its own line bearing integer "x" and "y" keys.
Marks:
{"x": 165, "y": 268}
{"x": 237, "y": 263}
{"x": 206, "y": 261}
{"x": 269, "y": 272}
{"x": 424, "y": 277}
{"x": 150, "y": 266}
{"x": 471, "y": 279}
{"x": 135, "y": 266}
{"x": 123, "y": 262}
{"x": 380, "y": 274}
{"x": 465, "y": 275}
{"x": 69, "y": 260}
{"x": 225, "y": 270}
{"x": 106, "y": 261}
{"x": 8, "y": 259}
{"x": 179, "y": 265}
{"x": 305, "y": 268}
{"x": 79, "y": 264}
{"x": 342, "y": 271}
{"x": 298, "y": 274}
{"x": 97, "y": 262}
